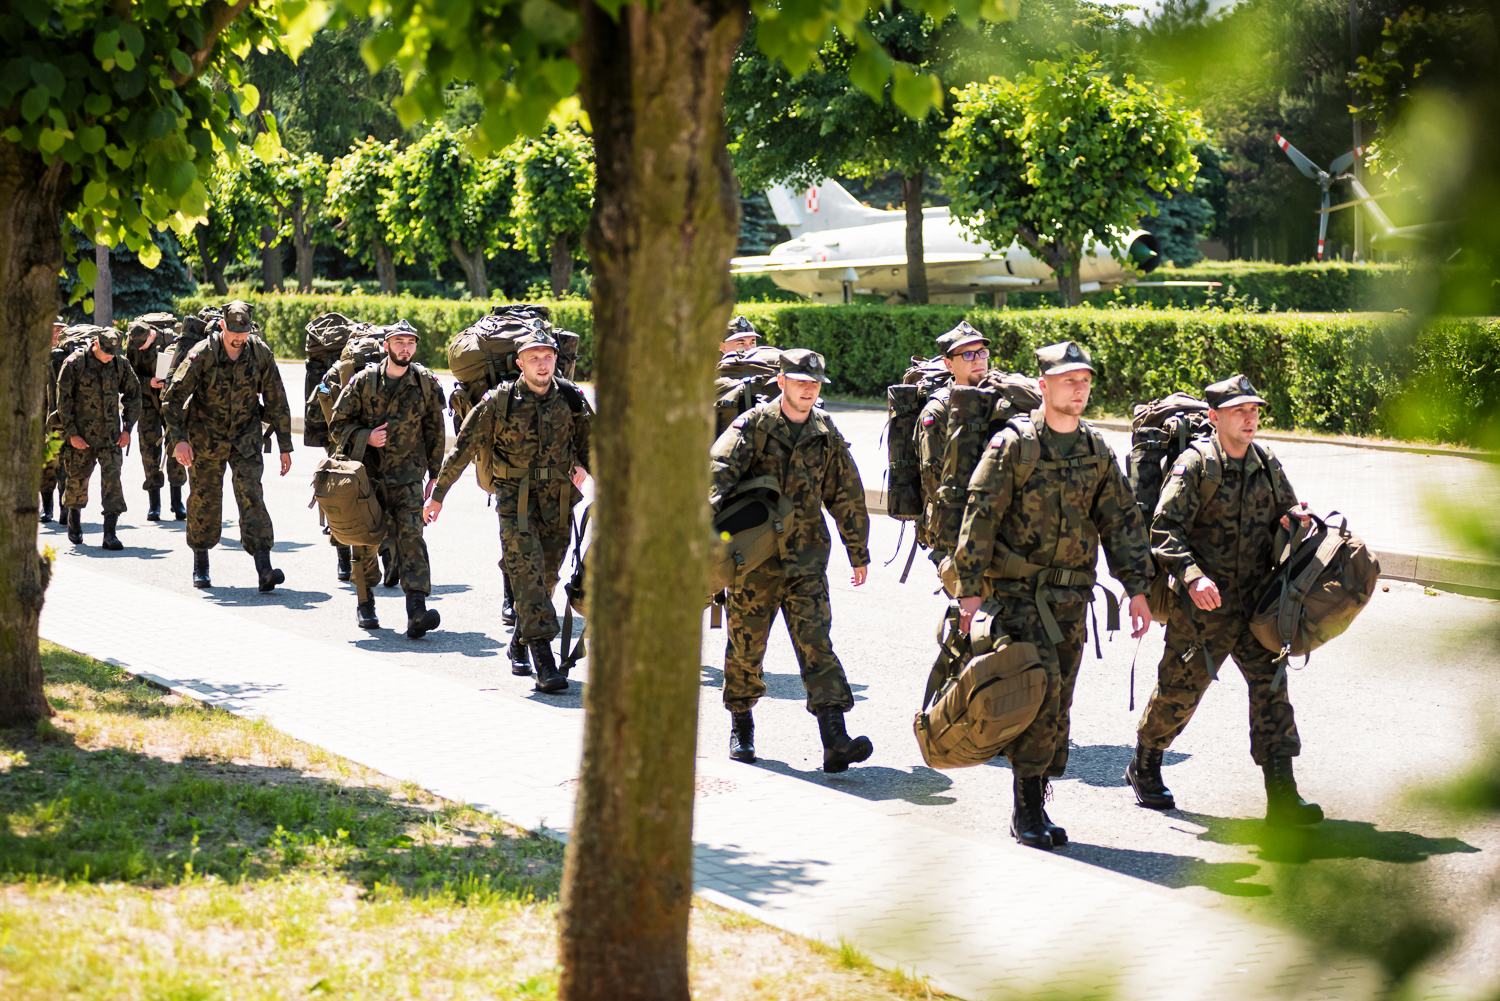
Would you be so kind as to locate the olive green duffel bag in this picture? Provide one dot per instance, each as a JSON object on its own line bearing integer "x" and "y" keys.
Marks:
{"x": 752, "y": 527}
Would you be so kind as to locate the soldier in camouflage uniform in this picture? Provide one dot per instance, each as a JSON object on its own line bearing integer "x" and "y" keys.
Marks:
{"x": 214, "y": 405}
{"x": 965, "y": 354}
{"x": 1031, "y": 546}
{"x": 791, "y": 439}
{"x": 531, "y": 436}
{"x": 146, "y": 342}
{"x": 1214, "y": 531}
{"x": 52, "y": 478}
{"x": 391, "y": 415}
{"x": 91, "y": 388}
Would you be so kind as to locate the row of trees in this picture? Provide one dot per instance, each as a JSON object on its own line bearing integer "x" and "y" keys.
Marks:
{"x": 382, "y": 204}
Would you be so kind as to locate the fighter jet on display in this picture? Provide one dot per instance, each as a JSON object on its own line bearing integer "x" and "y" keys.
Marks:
{"x": 840, "y": 249}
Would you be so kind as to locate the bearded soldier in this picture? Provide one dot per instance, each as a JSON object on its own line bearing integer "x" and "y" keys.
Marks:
{"x": 1214, "y": 531}
{"x": 142, "y": 357}
{"x": 93, "y": 384}
{"x": 530, "y": 437}
{"x": 214, "y": 405}
{"x": 793, "y": 441}
{"x": 391, "y": 413}
{"x": 1046, "y": 493}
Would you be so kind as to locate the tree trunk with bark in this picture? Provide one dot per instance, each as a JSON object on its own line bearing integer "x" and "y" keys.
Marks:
{"x": 473, "y": 264}
{"x": 562, "y": 264}
{"x": 271, "y": 272}
{"x": 916, "y": 261}
{"x": 302, "y": 240}
{"x": 1071, "y": 261}
{"x": 385, "y": 266}
{"x": 104, "y": 288}
{"x": 215, "y": 259}
{"x": 31, "y": 256}
{"x": 663, "y": 230}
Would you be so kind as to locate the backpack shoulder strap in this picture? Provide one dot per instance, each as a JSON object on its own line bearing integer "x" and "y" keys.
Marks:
{"x": 1213, "y": 470}
{"x": 577, "y": 402}
{"x": 1274, "y": 470}
{"x": 1024, "y": 431}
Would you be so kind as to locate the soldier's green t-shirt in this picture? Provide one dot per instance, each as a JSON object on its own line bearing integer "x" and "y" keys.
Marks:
{"x": 794, "y": 430}
{"x": 1065, "y": 442}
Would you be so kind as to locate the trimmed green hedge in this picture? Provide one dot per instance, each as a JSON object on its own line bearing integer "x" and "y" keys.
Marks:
{"x": 1358, "y": 373}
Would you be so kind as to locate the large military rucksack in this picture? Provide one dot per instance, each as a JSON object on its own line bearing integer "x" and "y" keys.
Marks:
{"x": 1323, "y": 580}
{"x": 984, "y": 690}
{"x": 327, "y": 333}
{"x": 744, "y": 379}
{"x": 1159, "y": 432}
{"x": 904, "y": 403}
{"x": 484, "y": 355}
{"x": 164, "y": 324}
{"x": 346, "y": 498}
{"x": 365, "y": 347}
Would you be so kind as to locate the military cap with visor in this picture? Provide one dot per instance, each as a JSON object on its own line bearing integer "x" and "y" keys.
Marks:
{"x": 804, "y": 365}
{"x": 961, "y": 337}
{"x": 1066, "y": 356}
{"x": 237, "y": 316}
{"x": 1232, "y": 392}
{"x": 108, "y": 340}
{"x": 536, "y": 337}
{"x": 401, "y": 328}
{"x": 741, "y": 327}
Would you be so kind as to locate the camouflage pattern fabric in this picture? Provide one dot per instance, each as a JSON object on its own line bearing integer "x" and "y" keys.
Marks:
{"x": 153, "y": 426}
{"x": 1184, "y": 675}
{"x": 403, "y": 504}
{"x": 932, "y": 443}
{"x": 803, "y": 603}
{"x": 1059, "y": 519}
{"x": 213, "y": 399}
{"x": 816, "y": 472}
{"x": 90, "y": 395}
{"x": 205, "y": 503}
{"x": 1230, "y": 537}
{"x": 533, "y": 558}
{"x": 78, "y": 465}
{"x": 1042, "y": 748}
{"x": 52, "y": 469}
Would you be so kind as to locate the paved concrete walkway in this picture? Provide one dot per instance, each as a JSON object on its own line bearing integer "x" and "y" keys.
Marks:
{"x": 982, "y": 918}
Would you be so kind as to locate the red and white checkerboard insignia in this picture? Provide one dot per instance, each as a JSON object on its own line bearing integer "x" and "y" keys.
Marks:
{"x": 812, "y": 199}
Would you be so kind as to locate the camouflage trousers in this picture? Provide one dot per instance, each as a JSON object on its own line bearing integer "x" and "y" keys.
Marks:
{"x": 1042, "y": 748}
{"x": 153, "y": 445}
{"x": 803, "y": 603}
{"x": 533, "y": 559}
{"x": 78, "y": 464}
{"x": 1196, "y": 638}
{"x": 205, "y": 503}
{"x": 403, "y": 505}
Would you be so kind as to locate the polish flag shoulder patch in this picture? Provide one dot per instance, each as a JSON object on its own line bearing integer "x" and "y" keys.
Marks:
{"x": 1180, "y": 468}
{"x": 929, "y": 419}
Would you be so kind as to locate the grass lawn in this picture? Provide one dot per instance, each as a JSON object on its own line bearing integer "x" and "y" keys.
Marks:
{"x": 157, "y": 849}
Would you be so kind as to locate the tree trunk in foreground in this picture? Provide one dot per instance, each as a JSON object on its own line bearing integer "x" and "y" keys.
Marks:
{"x": 473, "y": 265}
{"x": 916, "y": 260}
{"x": 31, "y": 255}
{"x": 385, "y": 267}
{"x": 664, "y": 227}
{"x": 562, "y": 264}
{"x": 104, "y": 288}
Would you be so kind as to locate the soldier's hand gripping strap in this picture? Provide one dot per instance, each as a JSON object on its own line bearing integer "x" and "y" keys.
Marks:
{"x": 954, "y": 647}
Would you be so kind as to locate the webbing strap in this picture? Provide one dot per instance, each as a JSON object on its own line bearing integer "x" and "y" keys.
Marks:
{"x": 1013, "y": 567}
{"x": 1044, "y": 611}
{"x": 526, "y": 474}
{"x": 1073, "y": 463}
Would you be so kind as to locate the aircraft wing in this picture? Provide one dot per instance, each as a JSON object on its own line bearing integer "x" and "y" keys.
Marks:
{"x": 771, "y": 265}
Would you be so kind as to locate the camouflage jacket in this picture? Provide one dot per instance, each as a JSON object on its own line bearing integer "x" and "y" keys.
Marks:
{"x": 90, "y": 394}
{"x": 525, "y": 431}
{"x": 1227, "y": 537}
{"x": 1058, "y": 518}
{"x": 932, "y": 442}
{"x": 143, "y": 362}
{"x": 212, "y": 399}
{"x": 412, "y": 411}
{"x": 817, "y": 471}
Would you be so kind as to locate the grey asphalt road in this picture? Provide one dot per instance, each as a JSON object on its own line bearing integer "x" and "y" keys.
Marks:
{"x": 1406, "y": 698}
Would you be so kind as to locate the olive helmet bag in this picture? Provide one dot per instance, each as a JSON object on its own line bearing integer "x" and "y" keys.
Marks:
{"x": 1324, "y": 579}
{"x": 346, "y": 498}
{"x": 742, "y": 380}
{"x": 983, "y": 692}
{"x": 753, "y": 526}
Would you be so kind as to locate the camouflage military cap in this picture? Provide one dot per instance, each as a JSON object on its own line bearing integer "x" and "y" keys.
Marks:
{"x": 237, "y": 316}
{"x": 536, "y": 337}
{"x": 741, "y": 327}
{"x": 401, "y": 328}
{"x": 108, "y": 340}
{"x": 960, "y": 337}
{"x": 1232, "y": 392}
{"x": 1067, "y": 356}
{"x": 803, "y": 365}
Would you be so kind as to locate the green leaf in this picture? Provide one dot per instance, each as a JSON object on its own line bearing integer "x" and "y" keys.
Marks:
{"x": 249, "y": 97}
{"x": 49, "y": 76}
{"x": 548, "y": 21}
{"x": 916, "y": 93}
{"x": 180, "y": 177}
{"x": 91, "y": 138}
{"x": 95, "y": 192}
{"x": 150, "y": 256}
{"x": 96, "y": 104}
{"x": 380, "y": 48}
{"x": 869, "y": 70}
{"x": 106, "y": 43}
{"x": 88, "y": 272}
{"x": 34, "y": 104}
{"x": 181, "y": 63}
{"x": 51, "y": 140}
{"x": 134, "y": 41}
{"x": 125, "y": 59}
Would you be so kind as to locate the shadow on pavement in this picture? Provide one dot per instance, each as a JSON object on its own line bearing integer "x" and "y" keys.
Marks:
{"x": 730, "y": 870}
{"x": 234, "y": 597}
{"x": 1100, "y": 765}
{"x": 391, "y": 638}
{"x": 92, "y": 550}
{"x": 876, "y": 783}
{"x": 1332, "y": 839}
{"x": 778, "y": 686}
{"x": 1174, "y": 871}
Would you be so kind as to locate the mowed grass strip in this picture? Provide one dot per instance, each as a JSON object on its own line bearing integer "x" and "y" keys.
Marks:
{"x": 155, "y": 848}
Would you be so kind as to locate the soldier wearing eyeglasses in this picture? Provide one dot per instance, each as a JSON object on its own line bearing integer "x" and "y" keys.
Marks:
{"x": 966, "y": 354}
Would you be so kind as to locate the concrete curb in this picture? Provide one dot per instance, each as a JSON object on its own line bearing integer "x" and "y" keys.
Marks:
{"x": 1476, "y": 578}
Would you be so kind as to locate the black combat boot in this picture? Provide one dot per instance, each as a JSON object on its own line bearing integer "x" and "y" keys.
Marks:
{"x": 392, "y": 569}
{"x": 520, "y": 657}
{"x": 742, "y": 737}
{"x": 269, "y": 575}
{"x": 364, "y": 612}
{"x": 1284, "y": 808}
{"x": 75, "y": 526}
{"x": 346, "y": 570}
{"x": 111, "y": 541}
{"x": 153, "y": 504}
{"x": 508, "y": 609}
{"x": 46, "y": 515}
{"x": 548, "y": 678}
{"x": 1059, "y": 834}
{"x": 175, "y": 495}
{"x": 420, "y": 620}
{"x": 839, "y": 750}
{"x": 1144, "y": 775}
{"x": 200, "y": 568}
{"x": 1028, "y": 822}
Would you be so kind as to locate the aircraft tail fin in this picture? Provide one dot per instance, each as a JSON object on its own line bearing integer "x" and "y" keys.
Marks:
{"x": 825, "y": 205}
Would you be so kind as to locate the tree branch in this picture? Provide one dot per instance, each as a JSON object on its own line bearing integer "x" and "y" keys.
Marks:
{"x": 220, "y": 16}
